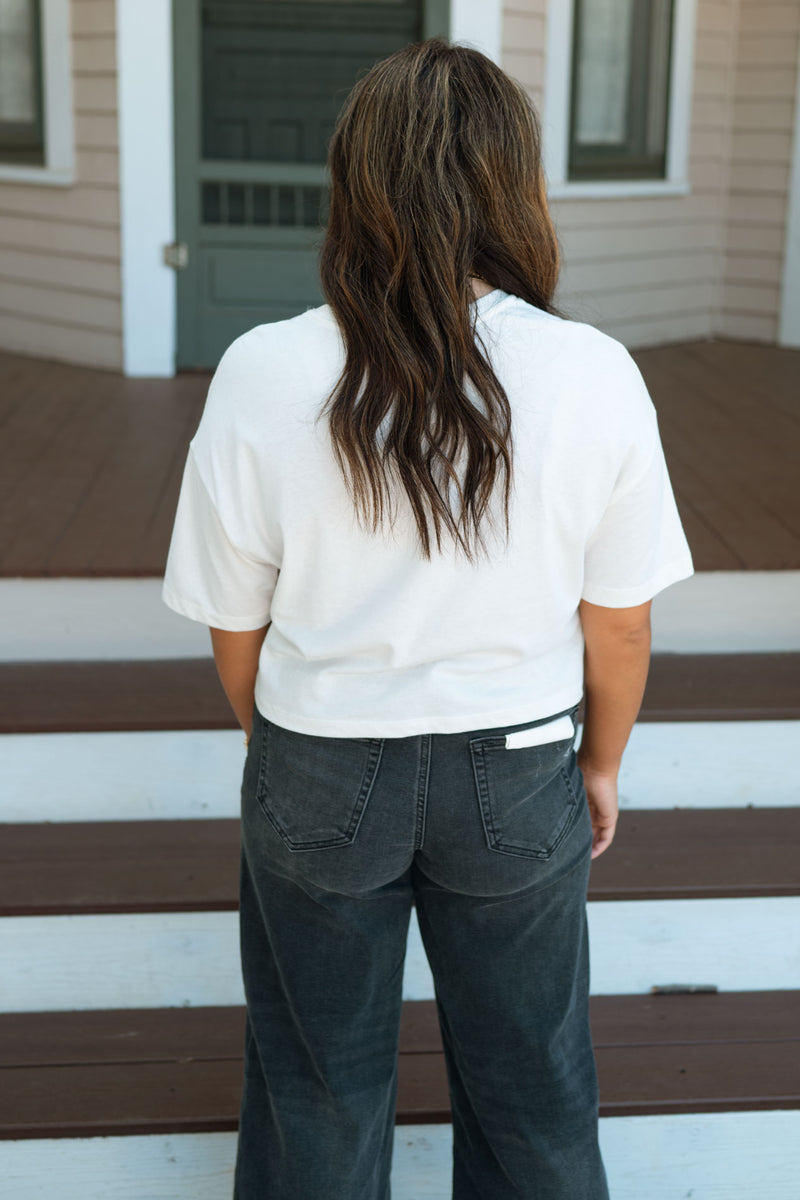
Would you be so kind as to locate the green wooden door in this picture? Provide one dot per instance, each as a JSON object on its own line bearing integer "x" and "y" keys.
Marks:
{"x": 258, "y": 85}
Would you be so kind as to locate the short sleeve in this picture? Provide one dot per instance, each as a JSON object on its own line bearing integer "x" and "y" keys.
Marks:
{"x": 208, "y": 577}
{"x": 638, "y": 547}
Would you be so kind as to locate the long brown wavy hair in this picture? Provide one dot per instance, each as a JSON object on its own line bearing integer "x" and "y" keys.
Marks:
{"x": 435, "y": 174}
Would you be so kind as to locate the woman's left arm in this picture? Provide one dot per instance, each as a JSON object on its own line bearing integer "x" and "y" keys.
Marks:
{"x": 236, "y": 656}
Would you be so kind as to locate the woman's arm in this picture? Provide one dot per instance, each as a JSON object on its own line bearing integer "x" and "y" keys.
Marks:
{"x": 616, "y": 661}
{"x": 236, "y": 656}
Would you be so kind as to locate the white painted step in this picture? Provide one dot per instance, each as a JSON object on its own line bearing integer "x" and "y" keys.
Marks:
{"x": 43, "y": 619}
{"x": 710, "y": 1156}
{"x": 187, "y": 774}
{"x": 154, "y": 960}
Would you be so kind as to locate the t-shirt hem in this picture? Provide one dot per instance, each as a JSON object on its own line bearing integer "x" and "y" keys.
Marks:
{"x": 361, "y": 727}
{"x": 680, "y": 568}
{"x": 195, "y": 612}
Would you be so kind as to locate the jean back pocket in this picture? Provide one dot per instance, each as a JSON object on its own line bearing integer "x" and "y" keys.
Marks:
{"x": 527, "y": 796}
{"x": 314, "y": 790}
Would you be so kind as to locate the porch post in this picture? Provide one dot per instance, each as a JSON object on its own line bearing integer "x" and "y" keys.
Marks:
{"x": 480, "y": 23}
{"x": 147, "y": 199}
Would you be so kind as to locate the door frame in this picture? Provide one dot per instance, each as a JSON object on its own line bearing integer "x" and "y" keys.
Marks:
{"x": 146, "y": 183}
{"x": 186, "y": 121}
{"x": 150, "y": 158}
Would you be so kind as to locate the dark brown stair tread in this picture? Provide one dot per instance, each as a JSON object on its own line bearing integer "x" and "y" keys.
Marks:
{"x": 193, "y": 865}
{"x": 85, "y": 697}
{"x": 117, "y": 1035}
{"x": 179, "y": 1070}
{"x": 743, "y": 1077}
{"x": 96, "y": 866}
{"x": 186, "y": 694}
{"x": 706, "y": 1018}
{"x": 700, "y": 853}
{"x": 198, "y": 1096}
{"x": 217, "y": 1031}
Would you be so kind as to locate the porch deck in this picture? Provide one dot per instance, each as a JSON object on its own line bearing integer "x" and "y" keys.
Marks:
{"x": 91, "y": 462}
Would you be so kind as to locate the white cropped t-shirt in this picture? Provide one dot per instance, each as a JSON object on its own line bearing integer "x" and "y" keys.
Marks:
{"x": 367, "y": 638}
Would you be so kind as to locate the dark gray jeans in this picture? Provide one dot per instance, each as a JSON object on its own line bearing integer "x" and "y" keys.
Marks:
{"x": 339, "y": 836}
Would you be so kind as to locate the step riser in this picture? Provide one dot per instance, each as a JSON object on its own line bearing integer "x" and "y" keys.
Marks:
{"x": 184, "y": 775}
{"x": 152, "y": 960}
{"x": 716, "y": 1156}
{"x": 46, "y": 619}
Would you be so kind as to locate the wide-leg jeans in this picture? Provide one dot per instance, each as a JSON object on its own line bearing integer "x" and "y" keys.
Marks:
{"x": 491, "y": 842}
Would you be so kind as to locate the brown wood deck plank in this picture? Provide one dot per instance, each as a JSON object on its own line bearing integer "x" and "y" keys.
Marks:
{"x": 103, "y": 696}
{"x": 743, "y": 468}
{"x": 90, "y": 460}
{"x": 71, "y": 448}
{"x": 707, "y": 545}
{"x": 211, "y": 1032}
{"x": 696, "y": 853}
{"x": 704, "y": 1018}
{"x": 138, "y": 463}
{"x": 180, "y": 1070}
{"x": 35, "y": 431}
{"x": 120, "y": 1098}
{"x": 771, "y": 371}
{"x": 679, "y": 1019}
{"x": 157, "y": 533}
{"x": 186, "y": 694}
{"x": 96, "y": 867}
{"x": 698, "y": 1078}
{"x": 87, "y": 461}
{"x": 217, "y": 1031}
{"x": 722, "y": 687}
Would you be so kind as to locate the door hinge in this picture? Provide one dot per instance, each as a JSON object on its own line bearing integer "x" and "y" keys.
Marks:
{"x": 176, "y": 255}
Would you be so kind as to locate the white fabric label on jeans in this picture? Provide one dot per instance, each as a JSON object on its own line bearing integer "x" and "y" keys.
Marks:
{"x": 555, "y": 731}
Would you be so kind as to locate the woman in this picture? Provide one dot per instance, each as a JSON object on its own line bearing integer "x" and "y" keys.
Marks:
{"x": 411, "y": 707}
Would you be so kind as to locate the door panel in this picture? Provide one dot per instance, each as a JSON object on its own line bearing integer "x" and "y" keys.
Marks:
{"x": 259, "y": 84}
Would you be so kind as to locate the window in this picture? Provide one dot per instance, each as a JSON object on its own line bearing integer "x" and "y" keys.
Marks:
{"x": 619, "y": 124}
{"x": 37, "y": 143}
{"x": 620, "y": 89}
{"x": 21, "y": 118}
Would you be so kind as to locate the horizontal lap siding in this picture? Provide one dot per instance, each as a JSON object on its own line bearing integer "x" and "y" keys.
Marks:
{"x": 647, "y": 269}
{"x": 524, "y": 44}
{"x": 761, "y": 152}
{"x": 60, "y": 285}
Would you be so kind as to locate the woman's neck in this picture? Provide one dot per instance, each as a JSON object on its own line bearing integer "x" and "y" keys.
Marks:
{"x": 480, "y": 287}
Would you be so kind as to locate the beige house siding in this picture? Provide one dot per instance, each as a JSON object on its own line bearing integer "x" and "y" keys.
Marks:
{"x": 524, "y": 44}
{"x": 761, "y": 153}
{"x": 647, "y": 269}
{"x": 60, "y": 246}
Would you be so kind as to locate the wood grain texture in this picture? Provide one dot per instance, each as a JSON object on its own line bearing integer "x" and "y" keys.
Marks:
{"x": 91, "y": 463}
{"x": 100, "y": 696}
{"x": 96, "y": 867}
{"x": 180, "y": 1070}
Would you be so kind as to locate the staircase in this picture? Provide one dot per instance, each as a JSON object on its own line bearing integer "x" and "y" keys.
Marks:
{"x": 122, "y": 1021}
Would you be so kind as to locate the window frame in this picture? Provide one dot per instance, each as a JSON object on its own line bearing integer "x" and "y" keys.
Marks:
{"x": 558, "y": 103}
{"x": 18, "y": 133}
{"x": 58, "y": 168}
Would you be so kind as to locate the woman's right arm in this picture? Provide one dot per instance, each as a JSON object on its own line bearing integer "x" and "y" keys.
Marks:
{"x": 616, "y": 662}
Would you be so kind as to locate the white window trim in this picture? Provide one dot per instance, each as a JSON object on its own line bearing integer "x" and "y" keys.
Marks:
{"x": 479, "y": 23}
{"x": 555, "y": 115}
{"x": 59, "y": 137}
